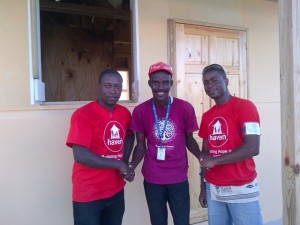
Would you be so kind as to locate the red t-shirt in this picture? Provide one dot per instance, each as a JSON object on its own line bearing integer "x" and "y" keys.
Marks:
{"x": 102, "y": 132}
{"x": 224, "y": 128}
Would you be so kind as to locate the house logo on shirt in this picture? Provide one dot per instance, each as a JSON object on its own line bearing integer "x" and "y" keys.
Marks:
{"x": 218, "y": 132}
{"x": 114, "y": 136}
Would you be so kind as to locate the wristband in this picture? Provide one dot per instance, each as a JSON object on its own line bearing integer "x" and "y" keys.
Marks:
{"x": 130, "y": 165}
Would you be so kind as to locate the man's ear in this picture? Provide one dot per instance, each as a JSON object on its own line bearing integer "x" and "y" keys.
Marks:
{"x": 149, "y": 82}
{"x": 171, "y": 83}
{"x": 227, "y": 81}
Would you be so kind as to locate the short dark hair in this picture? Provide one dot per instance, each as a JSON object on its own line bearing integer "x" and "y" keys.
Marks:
{"x": 109, "y": 71}
{"x": 214, "y": 67}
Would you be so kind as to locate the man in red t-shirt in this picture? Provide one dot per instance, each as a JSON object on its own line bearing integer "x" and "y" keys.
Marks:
{"x": 231, "y": 136}
{"x": 102, "y": 142}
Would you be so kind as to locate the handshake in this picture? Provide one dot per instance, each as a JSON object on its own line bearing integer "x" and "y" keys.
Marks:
{"x": 207, "y": 162}
{"x": 127, "y": 171}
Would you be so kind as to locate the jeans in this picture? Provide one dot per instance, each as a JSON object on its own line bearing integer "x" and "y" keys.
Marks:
{"x": 176, "y": 195}
{"x": 221, "y": 213}
{"x": 108, "y": 211}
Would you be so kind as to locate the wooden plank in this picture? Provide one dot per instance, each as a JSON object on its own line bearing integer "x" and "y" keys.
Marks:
{"x": 211, "y": 31}
{"x": 195, "y": 68}
{"x": 71, "y": 63}
{"x": 195, "y": 94}
{"x": 180, "y": 83}
{"x": 234, "y": 85}
{"x": 243, "y": 65}
{"x": 196, "y": 51}
{"x": 289, "y": 14}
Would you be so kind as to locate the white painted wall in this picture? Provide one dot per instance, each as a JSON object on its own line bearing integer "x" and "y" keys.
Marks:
{"x": 35, "y": 165}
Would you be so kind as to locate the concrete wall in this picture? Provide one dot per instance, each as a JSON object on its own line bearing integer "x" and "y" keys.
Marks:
{"x": 35, "y": 165}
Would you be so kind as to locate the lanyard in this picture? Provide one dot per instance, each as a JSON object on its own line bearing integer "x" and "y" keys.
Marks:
{"x": 161, "y": 133}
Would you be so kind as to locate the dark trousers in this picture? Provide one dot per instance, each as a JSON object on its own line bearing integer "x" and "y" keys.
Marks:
{"x": 176, "y": 195}
{"x": 107, "y": 211}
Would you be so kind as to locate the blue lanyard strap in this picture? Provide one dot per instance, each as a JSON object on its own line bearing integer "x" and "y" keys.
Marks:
{"x": 159, "y": 132}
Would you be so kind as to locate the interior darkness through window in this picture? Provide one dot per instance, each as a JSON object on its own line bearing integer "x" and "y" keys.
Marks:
{"x": 78, "y": 40}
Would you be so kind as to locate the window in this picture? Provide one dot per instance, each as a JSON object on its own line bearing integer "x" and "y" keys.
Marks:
{"x": 76, "y": 40}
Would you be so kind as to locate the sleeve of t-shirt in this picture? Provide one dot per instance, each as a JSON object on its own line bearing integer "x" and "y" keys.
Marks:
{"x": 248, "y": 118}
{"x": 80, "y": 132}
{"x": 203, "y": 128}
{"x": 136, "y": 124}
{"x": 190, "y": 119}
{"x": 128, "y": 119}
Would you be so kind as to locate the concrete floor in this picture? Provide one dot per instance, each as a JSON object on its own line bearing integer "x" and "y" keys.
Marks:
{"x": 275, "y": 222}
{"x": 203, "y": 223}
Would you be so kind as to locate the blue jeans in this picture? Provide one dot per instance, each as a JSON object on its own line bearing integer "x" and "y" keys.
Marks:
{"x": 221, "y": 213}
{"x": 176, "y": 195}
{"x": 108, "y": 211}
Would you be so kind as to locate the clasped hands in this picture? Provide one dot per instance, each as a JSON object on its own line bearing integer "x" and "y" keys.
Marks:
{"x": 206, "y": 162}
{"x": 127, "y": 172}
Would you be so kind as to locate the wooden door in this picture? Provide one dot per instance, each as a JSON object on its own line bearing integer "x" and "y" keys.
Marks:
{"x": 192, "y": 47}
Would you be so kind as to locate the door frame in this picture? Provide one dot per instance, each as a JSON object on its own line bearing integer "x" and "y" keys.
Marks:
{"x": 171, "y": 38}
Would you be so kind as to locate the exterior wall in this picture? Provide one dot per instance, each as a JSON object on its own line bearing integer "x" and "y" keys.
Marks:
{"x": 14, "y": 60}
{"x": 36, "y": 165}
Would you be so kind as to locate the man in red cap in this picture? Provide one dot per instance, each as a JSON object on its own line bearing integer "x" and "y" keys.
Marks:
{"x": 167, "y": 125}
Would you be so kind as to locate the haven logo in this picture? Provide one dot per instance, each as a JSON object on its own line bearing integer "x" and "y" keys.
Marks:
{"x": 114, "y": 136}
{"x": 218, "y": 132}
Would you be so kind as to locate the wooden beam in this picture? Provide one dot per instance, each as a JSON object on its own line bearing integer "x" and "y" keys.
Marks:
{"x": 84, "y": 10}
{"x": 289, "y": 15}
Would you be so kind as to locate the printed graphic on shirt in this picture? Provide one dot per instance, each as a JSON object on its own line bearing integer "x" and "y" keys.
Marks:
{"x": 218, "y": 132}
{"x": 170, "y": 131}
{"x": 114, "y": 136}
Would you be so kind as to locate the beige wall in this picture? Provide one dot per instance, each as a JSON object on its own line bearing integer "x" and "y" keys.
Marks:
{"x": 14, "y": 66}
{"x": 35, "y": 165}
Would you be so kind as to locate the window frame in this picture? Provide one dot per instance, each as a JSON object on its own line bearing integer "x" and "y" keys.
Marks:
{"x": 37, "y": 86}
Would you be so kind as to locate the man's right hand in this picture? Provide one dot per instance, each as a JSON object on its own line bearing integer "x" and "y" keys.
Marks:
{"x": 127, "y": 171}
{"x": 202, "y": 199}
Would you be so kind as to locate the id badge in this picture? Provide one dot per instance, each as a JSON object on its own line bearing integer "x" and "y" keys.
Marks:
{"x": 161, "y": 153}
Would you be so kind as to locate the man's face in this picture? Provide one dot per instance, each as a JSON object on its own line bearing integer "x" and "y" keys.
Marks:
{"x": 160, "y": 84}
{"x": 215, "y": 84}
{"x": 110, "y": 89}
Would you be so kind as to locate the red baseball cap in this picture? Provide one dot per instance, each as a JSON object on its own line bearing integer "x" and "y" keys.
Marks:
{"x": 160, "y": 66}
